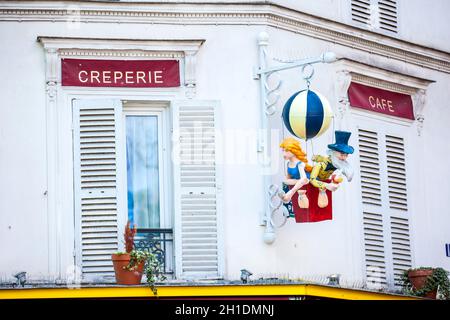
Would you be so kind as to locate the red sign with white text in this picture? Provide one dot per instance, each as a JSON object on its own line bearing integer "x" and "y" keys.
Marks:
{"x": 120, "y": 73}
{"x": 382, "y": 101}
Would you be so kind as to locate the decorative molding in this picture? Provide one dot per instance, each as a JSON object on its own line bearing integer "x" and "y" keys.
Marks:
{"x": 189, "y": 73}
{"x": 51, "y": 88}
{"x": 119, "y": 54}
{"x": 348, "y": 71}
{"x": 160, "y": 46}
{"x": 51, "y": 58}
{"x": 390, "y": 48}
{"x": 262, "y": 13}
{"x": 51, "y": 73}
{"x": 382, "y": 78}
{"x": 57, "y": 47}
{"x": 342, "y": 83}
{"x": 419, "y": 100}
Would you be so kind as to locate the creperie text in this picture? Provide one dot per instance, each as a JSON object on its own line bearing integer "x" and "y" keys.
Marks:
{"x": 120, "y": 77}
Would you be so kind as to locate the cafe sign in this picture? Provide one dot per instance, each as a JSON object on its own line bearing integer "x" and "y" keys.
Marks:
{"x": 381, "y": 101}
{"x": 120, "y": 73}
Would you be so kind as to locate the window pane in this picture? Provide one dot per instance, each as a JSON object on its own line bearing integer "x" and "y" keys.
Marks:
{"x": 142, "y": 171}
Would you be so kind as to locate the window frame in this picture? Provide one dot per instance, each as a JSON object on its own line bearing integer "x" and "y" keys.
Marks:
{"x": 160, "y": 110}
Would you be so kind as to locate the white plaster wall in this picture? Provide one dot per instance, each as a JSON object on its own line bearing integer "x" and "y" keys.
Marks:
{"x": 224, "y": 72}
{"x": 432, "y": 227}
{"x": 23, "y": 172}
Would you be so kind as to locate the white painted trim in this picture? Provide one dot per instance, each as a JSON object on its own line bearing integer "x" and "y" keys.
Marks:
{"x": 177, "y": 241}
{"x": 120, "y": 47}
{"x": 242, "y": 13}
{"x": 220, "y": 212}
{"x": 159, "y": 110}
{"x": 76, "y": 182}
{"x": 383, "y": 78}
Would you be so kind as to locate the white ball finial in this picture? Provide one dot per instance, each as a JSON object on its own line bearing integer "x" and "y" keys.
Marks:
{"x": 329, "y": 57}
{"x": 269, "y": 237}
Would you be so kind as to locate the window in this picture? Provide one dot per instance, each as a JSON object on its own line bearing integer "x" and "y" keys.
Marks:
{"x": 142, "y": 156}
{"x": 379, "y": 15}
{"x": 121, "y": 171}
{"x": 147, "y": 164}
{"x": 148, "y": 178}
{"x": 124, "y": 169}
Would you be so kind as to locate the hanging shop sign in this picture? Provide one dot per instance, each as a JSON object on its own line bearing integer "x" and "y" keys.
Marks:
{"x": 120, "y": 73}
{"x": 381, "y": 101}
{"x": 307, "y": 191}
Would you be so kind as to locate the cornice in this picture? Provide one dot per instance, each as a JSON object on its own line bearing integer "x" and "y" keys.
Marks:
{"x": 118, "y": 53}
{"x": 383, "y": 78}
{"x": 144, "y": 45}
{"x": 262, "y": 13}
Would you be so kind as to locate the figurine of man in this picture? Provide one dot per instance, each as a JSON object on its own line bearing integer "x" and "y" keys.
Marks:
{"x": 322, "y": 173}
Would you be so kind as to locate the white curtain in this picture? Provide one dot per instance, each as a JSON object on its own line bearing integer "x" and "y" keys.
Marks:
{"x": 142, "y": 171}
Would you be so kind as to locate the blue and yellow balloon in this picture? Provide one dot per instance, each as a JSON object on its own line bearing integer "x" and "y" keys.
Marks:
{"x": 307, "y": 114}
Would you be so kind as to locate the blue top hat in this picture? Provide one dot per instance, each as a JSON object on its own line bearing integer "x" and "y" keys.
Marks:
{"x": 341, "y": 144}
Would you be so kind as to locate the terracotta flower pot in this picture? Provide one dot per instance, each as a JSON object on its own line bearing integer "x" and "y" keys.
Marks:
{"x": 124, "y": 276}
{"x": 418, "y": 279}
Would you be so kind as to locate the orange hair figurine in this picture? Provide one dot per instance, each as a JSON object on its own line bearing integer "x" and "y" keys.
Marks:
{"x": 298, "y": 171}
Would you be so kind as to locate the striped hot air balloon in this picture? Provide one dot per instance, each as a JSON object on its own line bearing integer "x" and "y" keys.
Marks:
{"x": 307, "y": 114}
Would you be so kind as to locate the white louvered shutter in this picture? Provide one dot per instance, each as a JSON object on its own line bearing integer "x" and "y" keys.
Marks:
{"x": 373, "y": 225}
{"x": 384, "y": 205}
{"x": 376, "y": 14}
{"x": 388, "y": 15}
{"x": 398, "y": 205}
{"x": 361, "y": 11}
{"x": 95, "y": 176}
{"x": 197, "y": 190}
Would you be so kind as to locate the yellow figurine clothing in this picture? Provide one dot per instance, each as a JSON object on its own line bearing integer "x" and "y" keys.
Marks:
{"x": 322, "y": 170}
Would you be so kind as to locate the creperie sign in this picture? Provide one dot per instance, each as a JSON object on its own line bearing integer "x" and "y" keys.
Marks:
{"x": 120, "y": 73}
{"x": 381, "y": 101}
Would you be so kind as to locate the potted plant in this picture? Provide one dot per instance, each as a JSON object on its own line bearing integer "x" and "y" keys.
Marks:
{"x": 426, "y": 282}
{"x": 129, "y": 266}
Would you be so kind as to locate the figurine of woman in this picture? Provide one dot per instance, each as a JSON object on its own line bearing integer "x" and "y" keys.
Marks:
{"x": 298, "y": 171}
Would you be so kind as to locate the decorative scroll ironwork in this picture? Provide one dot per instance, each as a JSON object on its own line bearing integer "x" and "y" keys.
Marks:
{"x": 160, "y": 243}
{"x": 278, "y": 212}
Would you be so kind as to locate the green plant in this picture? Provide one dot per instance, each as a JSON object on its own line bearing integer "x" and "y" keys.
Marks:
{"x": 437, "y": 280}
{"x": 136, "y": 258}
{"x": 152, "y": 268}
{"x": 153, "y": 271}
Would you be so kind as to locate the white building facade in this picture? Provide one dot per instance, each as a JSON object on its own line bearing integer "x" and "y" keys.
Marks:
{"x": 68, "y": 152}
